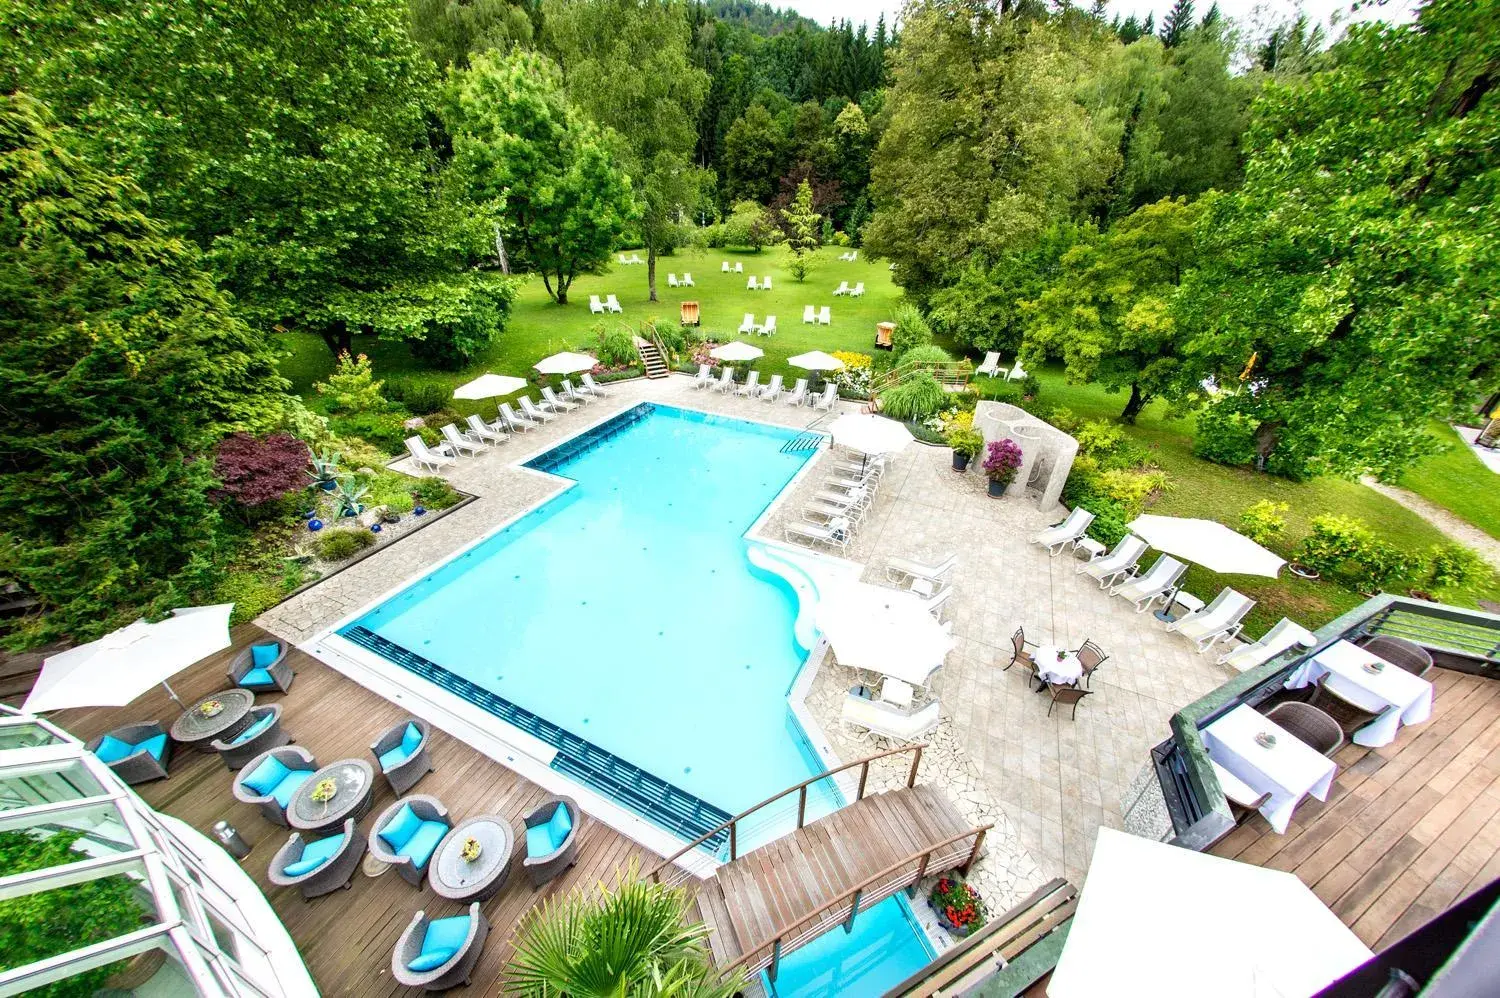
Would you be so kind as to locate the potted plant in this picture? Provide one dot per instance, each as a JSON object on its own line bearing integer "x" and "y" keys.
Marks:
{"x": 1001, "y": 462}
{"x": 958, "y": 906}
{"x": 966, "y": 443}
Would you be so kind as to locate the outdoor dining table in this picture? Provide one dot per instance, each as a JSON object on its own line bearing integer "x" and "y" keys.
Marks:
{"x": 353, "y": 789}
{"x": 478, "y": 879}
{"x": 198, "y": 730}
{"x": 1288, "y": 769}
{"x": 1398, "y": 697}
{"x": 1064, "y": 671}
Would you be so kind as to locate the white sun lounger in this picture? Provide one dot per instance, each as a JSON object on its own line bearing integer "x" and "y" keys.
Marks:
{"x": 842, "y": 289}
{"x": 765, "y": 283}
{"x": 819, "y": 511}
{"x": 853, "y": 255}
{"x": 461, "y": 443}
{"x": 769, "y": 392}
{"x": 1278, "y": 639}
{"x": 825, "y": 316}
{"x": 532, "y": 412}
{"x": 769, "y": 328}
{"x": 809, "y": 314}
{"x": 747, "y": 324}
{"x": 855, "y": 498}
{"x": 671, "y": 280}
{"x": 551, "y": 401}
{"x": 705, "y": 377}
{"x": 596, "y": 307}
{"x": 752, "y": 284}
{"x": 1154, "y": 585}
{"x": 937, "y": 601}
{"x": 886, "y": 720}
{"x": 1070, "y": 531}
{"x": 991, "y": 366}
{"x": 687, "y": 281}
{"x": 1106, "y": 568}
{"x": 901, "y": 570}
{"x": 590, "y": 386}
{"x": 1016, "y": 373}
{"x": 834, "y": 533}
{"x": 636, "y": 258}
{"x": 828, "y": 399}
{"x": 739, "y": 268}
{"x": 859, "y": 290}
{"x": 726, "y": 380}
{"x": 751, "y": 385}
{"x": 426, "y": 457}
{"x": 1220, "y": 620}
{"x": 724, "y": 267}
{"x": 844, "y": 256}
{"x": 574, "y": 395}
{"x": 481, "y": 430}
{"x": 517, "y": 424}
{"x": 798, "y": 394}
{"x": 612, "y": 303}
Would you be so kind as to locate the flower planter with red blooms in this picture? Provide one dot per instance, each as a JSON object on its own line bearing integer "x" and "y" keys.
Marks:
{"x": 959, "y": 907}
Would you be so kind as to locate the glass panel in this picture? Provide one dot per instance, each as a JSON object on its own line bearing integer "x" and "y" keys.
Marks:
{"x": 59, "y": 839}
{"x": 48, "y": 922}
{"x": 27, "y": 786}
{"x": 25, "y": 736}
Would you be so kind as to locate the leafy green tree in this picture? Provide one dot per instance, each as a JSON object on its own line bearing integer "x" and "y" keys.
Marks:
{"x": 543, "y": 171}
{"x": 625, "y": 63}
{"x": 749, "y": 225}
{"x": 802, "y": 230}
{"x": 449, "y": 32}
{"x": 1347, "y": 291}
{"x": 1108, "y": 313}
{"x": 290, "y": 141}
{"x": 1177, "y": 24}
{"x": 753, "y": 154}
{"x": 120, "y": 363}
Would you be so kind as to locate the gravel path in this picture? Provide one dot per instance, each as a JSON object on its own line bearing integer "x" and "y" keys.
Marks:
{"x": 1460, "y": 530}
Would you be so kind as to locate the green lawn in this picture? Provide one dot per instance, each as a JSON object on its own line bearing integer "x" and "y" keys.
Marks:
{"x": 1457, "y": 481}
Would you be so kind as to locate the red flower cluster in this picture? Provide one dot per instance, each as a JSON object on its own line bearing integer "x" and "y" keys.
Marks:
{"x": 958, "y": 903}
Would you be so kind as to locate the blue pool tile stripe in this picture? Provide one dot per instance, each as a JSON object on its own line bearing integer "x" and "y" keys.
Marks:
{"x": 664, "y": 803}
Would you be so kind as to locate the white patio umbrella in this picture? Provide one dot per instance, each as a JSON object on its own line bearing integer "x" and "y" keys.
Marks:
{"x": 736, "y": 351}
{"x": 869, "y": 433}
{"x": 883, "y": 630}
{"x": 123, "y": 664}
{"x": 1208, "y": 543}
{"x": 489, "y": 386}
{"x": 565, "y": 363}
{"x": 816, "y": 360}
{"x": 1185, "y": 923}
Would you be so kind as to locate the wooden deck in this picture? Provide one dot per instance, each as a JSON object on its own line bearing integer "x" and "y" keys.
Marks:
{"x": 764, "y": 892}
{"x": 1409, "y": 829}
{"x": 346, "y": 937}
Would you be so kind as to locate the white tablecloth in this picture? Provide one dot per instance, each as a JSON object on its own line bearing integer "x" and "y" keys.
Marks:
{"x": 1289, "y": 771}
{"x": 1064, "y": 673}
{"x": 1398, "y": 696}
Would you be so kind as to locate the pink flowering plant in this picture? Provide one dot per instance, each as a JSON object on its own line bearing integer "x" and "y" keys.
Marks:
{"x": 1002, "y": 460}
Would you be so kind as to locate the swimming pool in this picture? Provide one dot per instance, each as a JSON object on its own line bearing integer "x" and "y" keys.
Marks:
{"x": 885, "y": 947}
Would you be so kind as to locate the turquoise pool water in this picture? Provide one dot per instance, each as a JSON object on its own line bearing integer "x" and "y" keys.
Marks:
{"x": 885, "y": 947}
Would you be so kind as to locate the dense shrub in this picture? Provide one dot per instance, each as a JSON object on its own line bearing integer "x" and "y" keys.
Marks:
{"x": 254, "y": 470}
{"x": 252, "y": 594}
{"x": 435, "y": 492}
{"x": 418, "y": 395}
{"x": 915, "y": 399}
{"x": 624, "y": 374}
{"x": 927, "y": 353}
{"x": 352, "y": 386}
{"x": 1224, "y": 437}
{"x": 1344, "y": 547}
{"x": 912, "y": 331}
{"x": 1108, "y": 445}
{"x": 382, "y": 430}
{"x": 336, "y": 545}
{"x": 854, "y": 379}
{"x": 457, "y": 326}
{"x": 1264, "y": 522}
{"x": 1456, "y": 565}
{"x": 616, "y": 347}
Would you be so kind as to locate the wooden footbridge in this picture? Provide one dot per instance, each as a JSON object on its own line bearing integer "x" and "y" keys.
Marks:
{"x": 762, "y": 904}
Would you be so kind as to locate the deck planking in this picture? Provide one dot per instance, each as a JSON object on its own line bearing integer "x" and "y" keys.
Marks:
{"x": 1408, "y": 829}
{"x": 346, "y": 937}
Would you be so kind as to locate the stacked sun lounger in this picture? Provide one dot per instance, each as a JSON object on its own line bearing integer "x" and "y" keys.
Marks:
{"x": 833, "y": 513}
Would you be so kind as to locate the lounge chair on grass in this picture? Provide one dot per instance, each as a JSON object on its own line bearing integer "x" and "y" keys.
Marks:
{"x": 551, "y": 401}
{"x": 318, "y": 866}
{"x": 809, "y": 315}
{"x": 842, "y": 289}
{"x": 739, "y": 268}
{"x": 1107, "y": 568}
{"x": 687, "y": 281}
{"x": 263, "y": 734}
{"x": 798, "y": 394}
{"x": 136, "y": 753}
{"x": 834, "y": 534}
{"x": 902, "y": 571}
{"x": 769, "y": 392}
{"x": 747, "y": 324}
{"x": 825, "y": 316}
{"x": 765, "y": 283}
{"x": 885, "y": 720}
{"x": 1278, "y": 639}
{"x": 769, "y": 327}
{"x": 269, "y": 780}
{"x": 401, "y": 754}
{"x": 439, "y": 954}
{"x": 724, "y": 267}
{"x": 517, "y": 424}
{"x": 532, "y": 412}
{"x": 612, "y": 303}
{"x": 751, "y": 385}
{"x": 1219, "y": 620}
{"x": 991, "y": 366}
{"x": 853, "y": 255}
{"x": 705, "y": 376}
{"x": 752, "y": 284}
{"x": 859, "y": 290}
{"x": 426, "y": 457}
{"x": 1157, "y": 583}
{"x": 1070, "y": 531}
{"x": 407, "y": 833}
{"x": 726, "y": 380}
{"x": 828, "y": 399}
{"x": 460, "y": 443}
{"x": 844, "y": 257}
{"x": 553, "y": 832}
{"x": 596, "y": 307}
{"x": 1016, "y": 373}
{"x": 671, "y": 280}
{"x": 262, "y": 668}
{"x": 590, "y": 386}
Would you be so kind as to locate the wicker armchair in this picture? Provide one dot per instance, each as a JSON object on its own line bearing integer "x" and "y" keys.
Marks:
{"x": 540, "y": 869}
{"x": 335, "y": 871}
{"x": 263, "y": 733}
{"x": 293, "y": 757}
{"x": 1066, "y": 695}
{"x": 403, "y": 769}
{"x": 1349, "y": 715}
{"x": 141, "y": 764}
{"x": 1309, "y": 725}
{"x": 411, "y": 859}
{"x": 1401, "y": 653}
{"x": 1090, "y": 656}
{"x": 280, "y": 670}
{"x": 456, "y": 969}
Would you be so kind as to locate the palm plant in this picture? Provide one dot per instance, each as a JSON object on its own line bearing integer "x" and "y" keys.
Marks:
{"x": 633, "y": 940}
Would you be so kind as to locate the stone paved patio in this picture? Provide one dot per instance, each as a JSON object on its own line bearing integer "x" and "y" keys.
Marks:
{"x": 1048, "y": 782}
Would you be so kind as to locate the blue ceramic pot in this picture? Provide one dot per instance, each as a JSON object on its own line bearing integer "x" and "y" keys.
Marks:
{"x": 315, "y": 524}
{"x": 374, "y": 528}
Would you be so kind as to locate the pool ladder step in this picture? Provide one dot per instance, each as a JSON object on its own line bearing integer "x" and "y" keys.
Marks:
{"x": 802, "y": 443}
{"x": 668, "y": 805}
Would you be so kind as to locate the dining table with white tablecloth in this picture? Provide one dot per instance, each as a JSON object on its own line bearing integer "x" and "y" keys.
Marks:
{"x": 1056, "y": 665}
{"x": 1269, "y": 759}
{"x": 1364, "y": 679}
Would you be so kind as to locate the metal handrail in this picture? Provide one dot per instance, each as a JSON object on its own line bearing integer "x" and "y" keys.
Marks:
{"x": 854, "y": 894}
{"x": 951, "y": 371}
{"x": 801, "y": 790}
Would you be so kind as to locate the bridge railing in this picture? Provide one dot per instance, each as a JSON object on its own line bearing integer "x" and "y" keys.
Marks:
{"x": 666, "y": 871}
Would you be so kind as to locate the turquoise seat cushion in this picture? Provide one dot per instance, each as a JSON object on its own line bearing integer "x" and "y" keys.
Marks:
{"x": 446, "y": 934}
{"x": 112, "y": 749}
{"x": 539, "y": 841}
{"x": 156, "y": 745}
{"x": 411, "y": 738}
{"x": 266, "y": 776}
{"x": 402, "y": 826}
{"x": 423, "y": 841}
{"x": 391, "y": 758}
{"x": 264, "y": 655}
{"x": 289, "y": 784}
{"x": 426, "y": 961}
{"x": 560, "y": 824}
{"x": 257, "y": 677}
{"x": 314, "y": 855}
{"x": 254, "y": 729}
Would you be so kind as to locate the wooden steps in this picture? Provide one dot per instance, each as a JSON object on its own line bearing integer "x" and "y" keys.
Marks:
{"x": 656, "y": 364}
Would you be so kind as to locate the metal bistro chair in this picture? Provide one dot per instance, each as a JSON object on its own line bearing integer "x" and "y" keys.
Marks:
{"x": 1309, "y": 725}
{"x": 1400, "y": 652}
{"x": 1019, "y": 644}
{"x": 1066, "y": 695}
{"x": 1349, "y": 715}
{"x": 1091, "y": 656}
